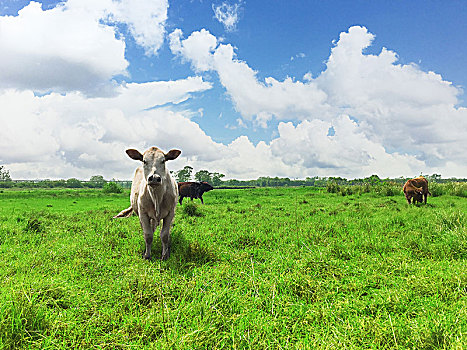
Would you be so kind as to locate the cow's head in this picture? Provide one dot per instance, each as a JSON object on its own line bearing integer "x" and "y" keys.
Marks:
{"x": 418, "y": 196}
{"x": 206, "y": 186}
{"x": 154, "y": 163}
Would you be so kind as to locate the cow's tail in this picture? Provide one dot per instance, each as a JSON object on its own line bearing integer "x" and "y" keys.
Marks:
{"x": 124, "y": 213}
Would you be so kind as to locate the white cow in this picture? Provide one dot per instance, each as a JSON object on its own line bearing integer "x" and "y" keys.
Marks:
{"x": 153, "y": 196}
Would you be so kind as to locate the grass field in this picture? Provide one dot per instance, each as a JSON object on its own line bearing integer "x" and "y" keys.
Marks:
{"x": 290, "y": 268}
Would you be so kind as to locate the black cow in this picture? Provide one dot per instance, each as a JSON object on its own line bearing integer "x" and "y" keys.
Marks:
{"x": 193, "y": 190}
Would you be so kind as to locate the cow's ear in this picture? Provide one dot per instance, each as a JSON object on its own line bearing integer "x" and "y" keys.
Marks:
{"x": 172, "y": 154}
{"x": 134, "y": 154}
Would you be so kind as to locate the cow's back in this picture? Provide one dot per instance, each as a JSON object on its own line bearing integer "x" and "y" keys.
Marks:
{"x": 422, "y": 183}
{"x": 416, "y": 189}
{"x": 418, "y": 183}
{"x": 187, "y": 189}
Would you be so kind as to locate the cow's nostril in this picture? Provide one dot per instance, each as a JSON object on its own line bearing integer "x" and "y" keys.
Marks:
{"x": 154, "y": 178}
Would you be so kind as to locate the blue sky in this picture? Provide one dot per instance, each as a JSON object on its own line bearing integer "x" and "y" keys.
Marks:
{"x": 269, "y": 34}
{"x": 253, "y": 91}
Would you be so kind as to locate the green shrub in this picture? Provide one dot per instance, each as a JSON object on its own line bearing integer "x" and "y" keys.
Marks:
{"x": 449, "y": 188}
{"x": 436, "y": 189}
{"x": 332, "y": 187}
{"x": 459, "y": 189}
{"x": 388, "y": 189}
{"x": 346, "y": 190}
{"x": 191, "y": 209}
{"x": 6, "y": 184}
{"x": 364, "y": 188}
{"x": 112, "y": 187}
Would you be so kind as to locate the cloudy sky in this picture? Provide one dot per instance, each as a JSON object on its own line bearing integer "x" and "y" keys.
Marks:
{"x": 244, "y": 88}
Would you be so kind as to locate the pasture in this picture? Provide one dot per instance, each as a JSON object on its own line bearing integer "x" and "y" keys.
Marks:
{"x": 269, "y": 268}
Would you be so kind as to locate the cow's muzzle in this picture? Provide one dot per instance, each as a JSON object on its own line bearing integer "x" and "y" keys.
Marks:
{"x": 154, "y": 180}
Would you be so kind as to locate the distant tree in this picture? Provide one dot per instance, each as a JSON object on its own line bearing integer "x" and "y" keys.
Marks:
{"x": 184, "y": 174}
{"x": 112, "y": 187}
{"x": 311, "y": 180}
{"x": 373, "y": 179}
{"x": 320, "y": 182}
{"x": 216, "y": 179}
{"x": 73, "y": 183}
{"x": 60, "y": 183}
{"x": 434, "y": 178}
{"x": 97, "y": 181}
{"x": 339, "y": 180}
{"x": 4, "y": 174}
{"x": 5, "y": 178}
{"x": 203, "y": 175}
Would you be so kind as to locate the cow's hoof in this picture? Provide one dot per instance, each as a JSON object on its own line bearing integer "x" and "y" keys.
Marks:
{"x": 166, "y": 254}
{"x": 145, "y": 257}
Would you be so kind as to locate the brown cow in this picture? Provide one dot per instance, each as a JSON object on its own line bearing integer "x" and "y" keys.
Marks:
{"x": 193, "y": 190}
{"x": 153, "y": 196}
{"x": 417, "y": 189}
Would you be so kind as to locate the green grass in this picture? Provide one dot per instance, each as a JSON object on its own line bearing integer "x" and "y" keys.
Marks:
{"x": 294, "y": 268}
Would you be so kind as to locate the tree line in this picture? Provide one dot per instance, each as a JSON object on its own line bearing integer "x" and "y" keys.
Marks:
{"x": 216, "y": 179}
{"x": 186, "y": 174}
{"x": 96, "y": 181}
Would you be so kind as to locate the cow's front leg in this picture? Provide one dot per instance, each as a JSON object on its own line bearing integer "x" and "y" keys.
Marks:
{"x": 165, "y": 235}
{"x": 408, "y": 199}
{"x": 148, "y": 226}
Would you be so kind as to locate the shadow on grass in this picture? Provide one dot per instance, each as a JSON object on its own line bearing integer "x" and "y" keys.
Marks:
{"x": 184, "y": 255}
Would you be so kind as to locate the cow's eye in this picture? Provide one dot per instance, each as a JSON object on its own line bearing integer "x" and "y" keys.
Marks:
{"x": 145, "y": 162}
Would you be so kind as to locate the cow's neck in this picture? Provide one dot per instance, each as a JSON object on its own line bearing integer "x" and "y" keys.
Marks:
{"x": 157, "y": 195}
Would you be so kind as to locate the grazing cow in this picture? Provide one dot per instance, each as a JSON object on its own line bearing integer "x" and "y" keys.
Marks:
{"x": 193, "y": 190}
{"x": 417, "y": 189}
{"x": 153, "y": 196}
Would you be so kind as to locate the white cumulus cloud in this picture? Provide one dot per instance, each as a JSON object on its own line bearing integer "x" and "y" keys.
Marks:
{"x": 227, "y": 15}
{"x": 63, "y": 49}
{"x": 71, "y": 135}
{"x": 388, "y": 118}
{"x": 145, "y": 21}
{"x": 255, "y": 100}
{"x": 399, "y": 106}
{"x": 397, "y": 116}
{"x": 75, "y": 46}
{"x": 197, "y": 48}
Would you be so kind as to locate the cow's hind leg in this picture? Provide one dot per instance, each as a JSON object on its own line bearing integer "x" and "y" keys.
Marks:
{"x": 165, "y": 235}
{"x": 148, "y": 226}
